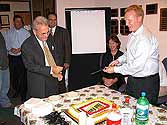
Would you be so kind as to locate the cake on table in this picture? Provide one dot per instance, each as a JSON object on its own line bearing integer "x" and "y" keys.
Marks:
{"x": 97, "y": 109}
{"x": 38, "y": 107}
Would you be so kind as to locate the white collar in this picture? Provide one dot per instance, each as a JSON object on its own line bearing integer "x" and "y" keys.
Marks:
{"x": 53, "y": 29}
{"x": 138, "y": 30}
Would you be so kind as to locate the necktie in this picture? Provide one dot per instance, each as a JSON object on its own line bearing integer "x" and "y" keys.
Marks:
{"x": 49, "y": 56}
{"x": 51, "y": 32}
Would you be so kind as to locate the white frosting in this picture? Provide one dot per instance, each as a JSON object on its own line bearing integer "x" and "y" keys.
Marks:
{"x": 38, "y": 107}
{"x": 31, "y": 103}
{"x": 42, "y": 109}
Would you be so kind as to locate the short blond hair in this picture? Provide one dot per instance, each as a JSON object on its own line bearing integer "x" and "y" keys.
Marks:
{"x": 137, "y": 9}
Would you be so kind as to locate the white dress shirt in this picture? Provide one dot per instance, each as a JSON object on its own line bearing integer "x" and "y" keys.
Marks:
{"x": 53, "y": 29}
{"x": 141, "y": 58}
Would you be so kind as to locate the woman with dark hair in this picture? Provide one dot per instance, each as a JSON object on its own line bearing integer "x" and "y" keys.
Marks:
{"x": 114, "y": 80}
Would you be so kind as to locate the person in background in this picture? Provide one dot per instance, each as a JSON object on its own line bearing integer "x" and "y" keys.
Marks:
{"x": 140, "y": 61}
{"x": 14, "y": 39}
{"x": 163, "y": 80}
{"x": 4, "y": 74}
{"x": 61, "y": 39}
{"x": 42, "y": 77}
{"x": 114, "y": 80}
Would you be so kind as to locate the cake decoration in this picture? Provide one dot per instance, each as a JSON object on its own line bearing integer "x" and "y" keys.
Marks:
{"x": 97, "y": 109}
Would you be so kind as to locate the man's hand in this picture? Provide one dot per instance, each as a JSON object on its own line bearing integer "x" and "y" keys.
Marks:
{"x": 15, "y": 50}
{"x": 57, "y": 72}
{"x": 57, "y": 69}
{"x": 109, "y": 69}
{"x": 109, "y": 82}
{"x": 114, "y": 63}
{"x": 66, "y": 65}
{"x": 58, "y": 76}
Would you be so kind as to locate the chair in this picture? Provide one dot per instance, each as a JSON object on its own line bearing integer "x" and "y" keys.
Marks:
{"x": 164, "y": 61}
{"x": 163, "y": 75}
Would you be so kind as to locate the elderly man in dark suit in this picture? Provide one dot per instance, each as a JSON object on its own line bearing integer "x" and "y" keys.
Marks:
{"x": 4, "y": 74}
{"x": 61, "y": 39}
{"x": 42, "y": 77}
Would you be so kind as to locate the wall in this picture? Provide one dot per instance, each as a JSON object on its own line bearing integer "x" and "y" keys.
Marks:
{"x": 15, "y": 6}
{"x": 151, "y": 21}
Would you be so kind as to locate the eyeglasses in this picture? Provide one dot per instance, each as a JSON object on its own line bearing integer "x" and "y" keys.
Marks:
{"x": 43, "y": 34}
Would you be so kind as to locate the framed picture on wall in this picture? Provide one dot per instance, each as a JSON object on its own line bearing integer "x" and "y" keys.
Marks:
{"x": 4, "y": 20}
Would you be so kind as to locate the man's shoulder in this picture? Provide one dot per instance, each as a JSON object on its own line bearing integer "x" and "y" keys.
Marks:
{"x": 148, "y": 34}
{"x": 61, "y": 28}
{"x": 28, "y": 41}
{"x": 11, "y": 30}
{"x": 23, "y": 30}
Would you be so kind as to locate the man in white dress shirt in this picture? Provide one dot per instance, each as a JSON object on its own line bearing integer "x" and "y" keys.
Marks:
{"x": 140, "y": 61}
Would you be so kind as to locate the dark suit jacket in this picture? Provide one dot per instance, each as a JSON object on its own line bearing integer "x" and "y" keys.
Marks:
{"x": 39, "y": 80}
{"x": 3, "y": 54}
{"x": 62, "y": 44}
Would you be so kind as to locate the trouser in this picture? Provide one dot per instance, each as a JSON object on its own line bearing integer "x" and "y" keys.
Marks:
{"x": 18, "y": 77}
{"x": 4, "y": 87}
{"x": 61, "y": 86}
{"x": 150, "y": 85}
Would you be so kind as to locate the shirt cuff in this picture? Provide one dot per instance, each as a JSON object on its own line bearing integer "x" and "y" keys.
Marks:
{"x": 116, "y": 69}
{"x": 51, "y": 72}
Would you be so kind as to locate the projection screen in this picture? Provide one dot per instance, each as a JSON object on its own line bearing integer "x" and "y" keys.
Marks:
{"x": 88, "y": 31}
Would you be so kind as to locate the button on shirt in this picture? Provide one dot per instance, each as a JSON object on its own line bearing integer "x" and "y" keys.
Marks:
{"x": 14, "y": 38}
{"x": 141, "y": 58}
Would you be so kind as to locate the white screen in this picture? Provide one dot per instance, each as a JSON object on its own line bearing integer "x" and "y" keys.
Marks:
{"x": 88, "y": 31}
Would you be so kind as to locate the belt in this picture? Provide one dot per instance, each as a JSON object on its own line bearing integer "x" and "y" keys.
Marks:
{"x": 150, "y": 76}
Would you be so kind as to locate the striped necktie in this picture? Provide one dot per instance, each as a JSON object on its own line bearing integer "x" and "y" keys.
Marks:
{"x": 51, "y": 31}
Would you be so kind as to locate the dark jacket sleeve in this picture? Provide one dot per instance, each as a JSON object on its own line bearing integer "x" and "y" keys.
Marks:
{"x": 67, "y": 47}
{"x": 3, "y": 54}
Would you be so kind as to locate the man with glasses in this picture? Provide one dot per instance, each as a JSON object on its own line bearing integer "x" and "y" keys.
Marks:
{"x": 41, "y": 75}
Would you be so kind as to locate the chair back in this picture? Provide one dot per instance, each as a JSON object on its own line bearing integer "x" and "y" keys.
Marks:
{"x": 164, "y": 61}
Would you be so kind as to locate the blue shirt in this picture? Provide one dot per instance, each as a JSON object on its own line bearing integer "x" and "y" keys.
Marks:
{"x": 14, "y": 38}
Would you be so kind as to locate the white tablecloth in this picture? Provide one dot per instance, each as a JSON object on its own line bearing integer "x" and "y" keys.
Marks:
{"x": 157, "y": 115}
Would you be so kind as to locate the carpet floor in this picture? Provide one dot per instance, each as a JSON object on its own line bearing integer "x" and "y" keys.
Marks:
{"x": 7, "y": 116}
